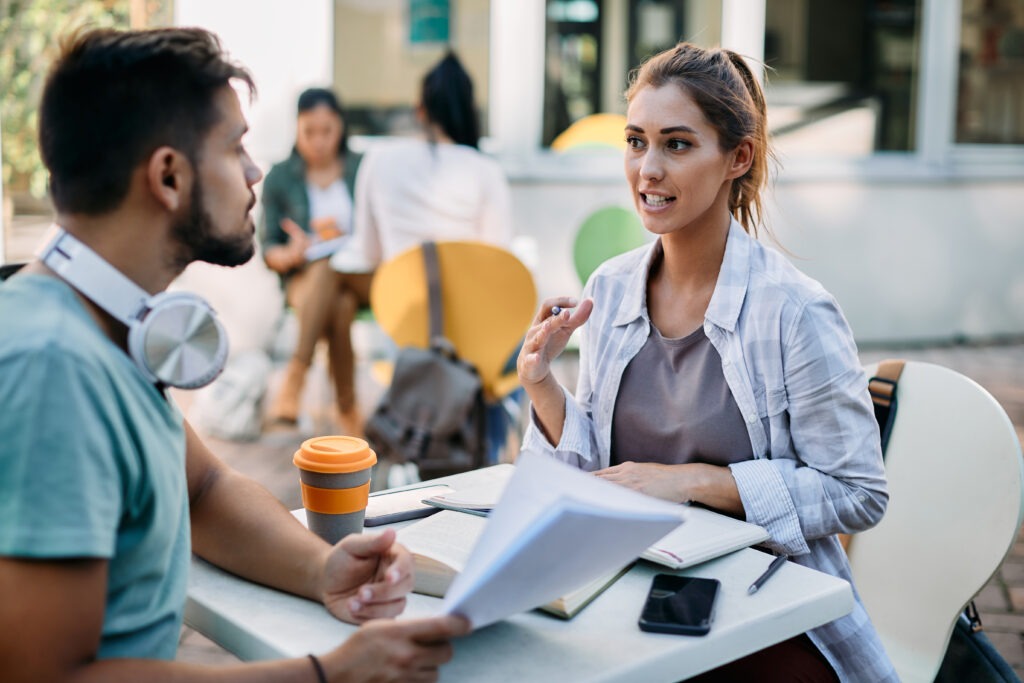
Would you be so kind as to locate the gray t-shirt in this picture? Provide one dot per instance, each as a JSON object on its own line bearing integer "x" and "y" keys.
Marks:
{"x": 674, "y": 406}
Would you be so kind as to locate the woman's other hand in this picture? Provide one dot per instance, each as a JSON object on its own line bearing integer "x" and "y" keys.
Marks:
{"x": 298, "y": 242}
{"x": 326, "y": 228}
{"x": 710, "y": 485}
{"x": 667, "y": 482}
{"x": 548, "y": 336}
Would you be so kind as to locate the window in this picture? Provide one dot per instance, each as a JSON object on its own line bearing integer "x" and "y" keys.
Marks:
{"x": 990, "y": 97}
{"x": 842, "y": 76}
{"x": 572, "y": 78}
{"x": 591, "y": 45}
{"x": 382, "y": 49}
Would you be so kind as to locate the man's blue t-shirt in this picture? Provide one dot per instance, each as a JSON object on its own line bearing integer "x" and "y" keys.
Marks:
{"x": 92, "y": 464}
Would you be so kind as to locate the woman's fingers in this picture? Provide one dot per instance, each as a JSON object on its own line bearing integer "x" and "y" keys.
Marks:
{"x": 546, "y": 309}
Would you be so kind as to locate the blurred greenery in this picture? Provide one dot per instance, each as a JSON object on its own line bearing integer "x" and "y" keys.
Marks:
{"x": 30, "y": 31}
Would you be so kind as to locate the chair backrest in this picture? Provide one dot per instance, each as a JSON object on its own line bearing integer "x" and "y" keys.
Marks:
{"x": 607, "y": 232}
{"x": 488, "y": 295}
{"x": 595, "y": 131}
{"x": 956, "y": 479}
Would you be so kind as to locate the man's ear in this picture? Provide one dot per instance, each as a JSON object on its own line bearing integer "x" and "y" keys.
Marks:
{"x": 169, "y": 177}
{"x": 742, "y": 158}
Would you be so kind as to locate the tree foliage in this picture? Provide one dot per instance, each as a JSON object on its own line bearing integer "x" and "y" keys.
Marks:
{"x": 30, "y": 32}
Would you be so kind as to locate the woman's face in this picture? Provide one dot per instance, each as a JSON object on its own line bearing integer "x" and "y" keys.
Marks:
{"x": 676, "y": 170}
{"x": 319, "y": 132}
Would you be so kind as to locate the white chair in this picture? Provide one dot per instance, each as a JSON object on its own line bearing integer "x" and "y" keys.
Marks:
{"x": 956, "y": 479}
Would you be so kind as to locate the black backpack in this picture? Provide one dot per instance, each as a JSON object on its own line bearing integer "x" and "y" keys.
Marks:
{"x": 433, "y": 413}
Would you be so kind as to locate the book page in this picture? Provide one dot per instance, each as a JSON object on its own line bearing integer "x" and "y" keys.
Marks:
{"x": 484, "y": 496}
{"x": 447, "y": 537}
{"x": 554, "y": 529}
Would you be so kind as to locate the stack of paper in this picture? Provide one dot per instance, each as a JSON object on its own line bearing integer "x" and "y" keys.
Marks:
{"x": 555, "y": 528}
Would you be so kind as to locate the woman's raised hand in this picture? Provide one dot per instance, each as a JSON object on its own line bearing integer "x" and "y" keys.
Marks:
{"x": 548, "y": 336}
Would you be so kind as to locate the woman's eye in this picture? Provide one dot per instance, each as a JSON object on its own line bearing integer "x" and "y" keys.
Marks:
{"x": 678, "y": 144}
{"x": 634, "y": 142}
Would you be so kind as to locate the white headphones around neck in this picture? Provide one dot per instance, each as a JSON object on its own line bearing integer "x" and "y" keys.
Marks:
{"x": 174, "y": 338}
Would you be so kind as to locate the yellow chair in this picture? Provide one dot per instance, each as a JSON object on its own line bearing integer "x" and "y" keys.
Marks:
{"x": 593, "y": 132}
{"x": 488, "y": 296}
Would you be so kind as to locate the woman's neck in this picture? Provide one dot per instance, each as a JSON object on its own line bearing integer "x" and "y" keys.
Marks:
{"x": 694, "y": 256}
{"x": 682, "y": 283}
{"x": 324, "y": 173}
{"x": 435, "y": 133}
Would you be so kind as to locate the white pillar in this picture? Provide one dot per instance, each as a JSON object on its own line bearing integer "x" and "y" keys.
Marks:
{"x": 516, "y": 76}
{"x": 743, "y": 31}
{"x": 288, "y": 46}
{"x": 938, "y": 73}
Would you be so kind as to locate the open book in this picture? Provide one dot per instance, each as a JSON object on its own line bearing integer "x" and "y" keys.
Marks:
{"x": 705, "y": 536}
{"x": 554, "y": 530}
{"x": 319, "y": 249}
{"x": 441, "y": 544}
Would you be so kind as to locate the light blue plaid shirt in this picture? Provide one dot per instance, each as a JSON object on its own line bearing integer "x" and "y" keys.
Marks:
{"x": 789, "y": 359}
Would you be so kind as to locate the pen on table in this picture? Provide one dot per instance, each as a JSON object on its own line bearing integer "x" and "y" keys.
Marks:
{"x": 772, "y": 568}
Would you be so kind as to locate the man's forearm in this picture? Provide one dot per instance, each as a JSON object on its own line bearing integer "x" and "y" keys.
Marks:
{"x": 239, "y": 526}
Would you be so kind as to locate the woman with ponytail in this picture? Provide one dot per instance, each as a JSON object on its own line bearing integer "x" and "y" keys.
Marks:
{"x": 712, "y": 371}
{"x": 438, "y": 186}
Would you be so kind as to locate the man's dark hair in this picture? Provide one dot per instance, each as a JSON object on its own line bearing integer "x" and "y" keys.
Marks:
{"x": 447, "y": 96}
{"x": 113, "y": 97}
{"x": 311, "y": 98}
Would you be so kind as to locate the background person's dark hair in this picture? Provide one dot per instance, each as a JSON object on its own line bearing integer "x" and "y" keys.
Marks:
{"x": 311, "y": 98}
{"x": 113, "y": 97}
{"x": 447, "y": 97}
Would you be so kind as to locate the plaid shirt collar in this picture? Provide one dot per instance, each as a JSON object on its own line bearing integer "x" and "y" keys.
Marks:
{"x": 730, "y": 289}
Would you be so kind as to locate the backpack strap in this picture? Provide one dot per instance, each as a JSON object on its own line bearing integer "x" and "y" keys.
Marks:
{"x": 436, "y": 311}
{"x": 882, "y": 388}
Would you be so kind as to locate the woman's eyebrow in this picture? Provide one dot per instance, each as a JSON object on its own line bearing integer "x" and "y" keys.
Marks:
{"x": 664, "y": 131}
{"x": 678, "y": 129}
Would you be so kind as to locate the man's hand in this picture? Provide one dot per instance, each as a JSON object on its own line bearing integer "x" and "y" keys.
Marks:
{"x": 400, "y": 651}
{"x": 367, "y": 576}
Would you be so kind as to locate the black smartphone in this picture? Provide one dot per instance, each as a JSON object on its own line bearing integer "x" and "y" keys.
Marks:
{"x": 679, "y": 604}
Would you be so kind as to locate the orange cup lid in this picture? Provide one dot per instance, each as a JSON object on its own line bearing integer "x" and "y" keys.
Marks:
{"x": 334, "y": 455}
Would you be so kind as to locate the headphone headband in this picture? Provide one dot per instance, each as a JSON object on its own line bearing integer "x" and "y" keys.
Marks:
{"x": 86, "y": 271}
{"x": 174, "y": 338}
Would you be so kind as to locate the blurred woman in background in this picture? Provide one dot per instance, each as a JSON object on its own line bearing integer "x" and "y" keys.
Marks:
{"x": 307, "y": 206}
{"x": 438, "y": 186}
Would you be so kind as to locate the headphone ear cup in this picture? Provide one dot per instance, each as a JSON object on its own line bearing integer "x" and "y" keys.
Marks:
{"x": 179, "y": 342}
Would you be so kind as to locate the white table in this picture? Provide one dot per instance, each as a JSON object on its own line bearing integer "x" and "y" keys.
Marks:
{"x": 602, "y": 643}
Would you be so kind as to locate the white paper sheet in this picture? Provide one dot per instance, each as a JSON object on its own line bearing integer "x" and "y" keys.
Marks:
{"x": 554, "y": 529}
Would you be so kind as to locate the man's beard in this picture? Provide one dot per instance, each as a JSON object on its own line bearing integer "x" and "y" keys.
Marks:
{"x": 198, "y": 241}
